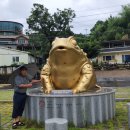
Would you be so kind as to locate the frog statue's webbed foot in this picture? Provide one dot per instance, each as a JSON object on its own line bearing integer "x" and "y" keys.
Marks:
{"x": 48, "y": 90}
{"x": 78, "y": 90}
{"x": 75, "y": 91}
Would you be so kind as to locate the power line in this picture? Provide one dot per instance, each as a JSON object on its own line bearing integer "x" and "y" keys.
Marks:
{"x": 101, "y": 8}
{"x": 89, "y": 25}
{"x": 84, "y": 25}
{"x": 97, "y": 14}
{"x": 88, "y": 20}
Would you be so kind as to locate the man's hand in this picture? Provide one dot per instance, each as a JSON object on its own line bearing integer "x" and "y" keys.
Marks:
{"x": 35, "y": 81}
{"x": 29, "y": 85}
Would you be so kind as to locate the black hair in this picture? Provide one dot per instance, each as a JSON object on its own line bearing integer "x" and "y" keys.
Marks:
{"x": 23, "y": 68}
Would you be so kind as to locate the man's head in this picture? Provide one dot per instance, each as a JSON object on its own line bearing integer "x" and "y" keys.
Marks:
{"x": 23, "y": 71}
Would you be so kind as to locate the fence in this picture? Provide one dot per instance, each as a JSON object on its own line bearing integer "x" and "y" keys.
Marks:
{"x": 5, "y": 70}
{"x": 107, "y": 66}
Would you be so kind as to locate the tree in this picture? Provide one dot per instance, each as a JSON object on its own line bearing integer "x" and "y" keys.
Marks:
{"x": 114, "y": 28}
{"x": 51, "y": 25}
{"x": 90, "y": 47}
{"x": 44, "y": 26}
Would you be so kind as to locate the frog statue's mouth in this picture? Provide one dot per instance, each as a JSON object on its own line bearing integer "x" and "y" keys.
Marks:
{"x": 61, "y": 48}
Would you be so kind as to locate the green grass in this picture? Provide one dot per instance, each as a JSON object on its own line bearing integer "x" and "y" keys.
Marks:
{"x": 123, "y": 92}
{"x": 6, "y": 95}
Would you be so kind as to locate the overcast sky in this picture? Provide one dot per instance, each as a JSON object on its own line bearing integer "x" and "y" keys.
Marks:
{"x": 87, "y": 11}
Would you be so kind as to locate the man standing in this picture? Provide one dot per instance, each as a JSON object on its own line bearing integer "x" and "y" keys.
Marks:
{"x": 22, "y": 82}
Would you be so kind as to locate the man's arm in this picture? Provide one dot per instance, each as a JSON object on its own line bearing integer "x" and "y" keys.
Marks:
{"x": 35, "y": 81}
{"x": 20, "y": 84}
{"x": 25, "y": 85}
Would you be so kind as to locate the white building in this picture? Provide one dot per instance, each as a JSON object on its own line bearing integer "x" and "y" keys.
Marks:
{"x": 11, "y": 56}
{"x": 116, "y": 51}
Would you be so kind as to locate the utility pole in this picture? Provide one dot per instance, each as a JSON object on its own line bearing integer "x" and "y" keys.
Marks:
{"x": 86, "y": 31}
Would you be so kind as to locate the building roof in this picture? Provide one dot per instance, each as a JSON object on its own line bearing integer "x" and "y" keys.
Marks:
{"x": 2, "y": 43}
{"x": 115, "y": 41}
{"x": 13, "y": 36}
{"x": 5, "y": 48}
{"x": 12, "y": 22}
{"x": 120, "y": 49}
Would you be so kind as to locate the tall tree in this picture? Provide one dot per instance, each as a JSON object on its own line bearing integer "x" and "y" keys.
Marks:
{"x": 44, "y": 26}
{"x": 88, "y": 46}
{"x": 114, "y": 28}
{"x": 50, "y": 25}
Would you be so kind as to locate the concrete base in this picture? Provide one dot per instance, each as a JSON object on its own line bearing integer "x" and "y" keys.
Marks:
{"x": 79, "y": 109}
{"x": 56, "y": 124}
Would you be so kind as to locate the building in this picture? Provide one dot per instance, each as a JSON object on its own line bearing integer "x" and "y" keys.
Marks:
{"x": 12, "y": 56}
{"x": 11, "y": 34}
{"x": 116, "y": 51}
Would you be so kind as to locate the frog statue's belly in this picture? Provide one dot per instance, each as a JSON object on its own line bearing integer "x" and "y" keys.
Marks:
{"x": 61, "y": 79}
{"x": 65, "y": 71}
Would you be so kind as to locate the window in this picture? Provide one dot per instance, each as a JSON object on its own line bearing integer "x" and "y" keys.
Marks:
{"x": 10, "y": 28}
{"x": 15, "y": 59}
{"x": 21, "y": 40}
{"x": 126, "y": 58}
{"x": 107, "y": 58}
{"x": 117, "y": 44}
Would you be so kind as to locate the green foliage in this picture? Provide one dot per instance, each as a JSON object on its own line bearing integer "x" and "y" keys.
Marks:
{"x": 50, "y": 25}
{"x": 44, "y": 26}
{"x": 113, "y": 28}
{"x": 88, "y": 46}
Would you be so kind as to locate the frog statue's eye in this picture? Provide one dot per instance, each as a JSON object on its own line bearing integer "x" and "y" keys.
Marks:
{"x": 54, "y": 41}
{"x": 73, "y": 41}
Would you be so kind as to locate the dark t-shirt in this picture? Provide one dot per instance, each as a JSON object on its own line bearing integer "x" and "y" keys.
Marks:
{"x": 21, "y": 80}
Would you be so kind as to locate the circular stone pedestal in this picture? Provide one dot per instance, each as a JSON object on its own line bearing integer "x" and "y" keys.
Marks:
{"x": 79, "y": 109}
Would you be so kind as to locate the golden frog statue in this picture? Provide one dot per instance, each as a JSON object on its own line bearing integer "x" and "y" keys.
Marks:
{"x": 67, "y": 68}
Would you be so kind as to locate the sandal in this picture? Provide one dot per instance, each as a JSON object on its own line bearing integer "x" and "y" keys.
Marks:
{"x": 19, "y": 123}
{"x": 14, "y": 126}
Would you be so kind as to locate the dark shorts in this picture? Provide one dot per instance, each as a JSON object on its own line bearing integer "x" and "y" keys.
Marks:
{"x": 19, "y": 100}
